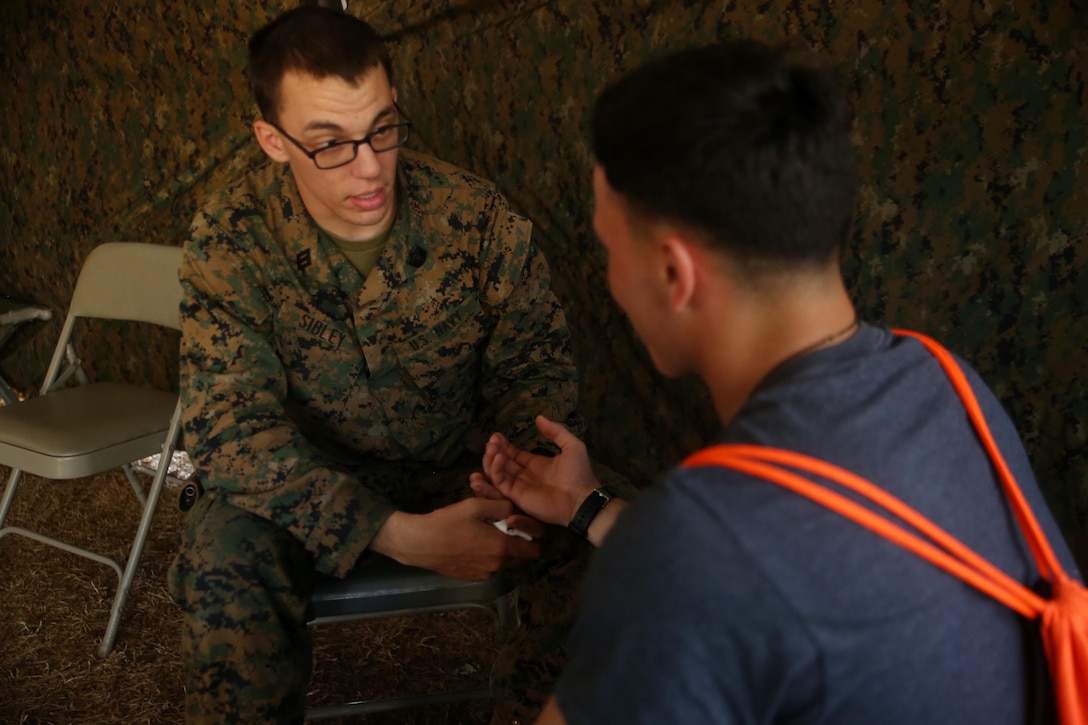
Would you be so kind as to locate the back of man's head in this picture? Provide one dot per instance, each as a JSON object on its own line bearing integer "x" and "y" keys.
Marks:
{"x": 314, "y": 41}
{"x": 744, "y": 144}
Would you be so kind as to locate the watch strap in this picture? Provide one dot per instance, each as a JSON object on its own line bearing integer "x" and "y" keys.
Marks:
{"x": 595, "y": 501}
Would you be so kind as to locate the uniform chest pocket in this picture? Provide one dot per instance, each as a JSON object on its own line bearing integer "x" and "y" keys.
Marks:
{"x": 443, "y": 361}
{"x": 319, "y": 351}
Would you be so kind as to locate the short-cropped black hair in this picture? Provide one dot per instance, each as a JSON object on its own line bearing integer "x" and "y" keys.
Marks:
{"x": 745, "y": 144}
{"x": 315, "y": 41}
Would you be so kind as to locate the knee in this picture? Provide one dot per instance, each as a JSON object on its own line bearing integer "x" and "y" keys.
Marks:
{"x": 234, "y": 560}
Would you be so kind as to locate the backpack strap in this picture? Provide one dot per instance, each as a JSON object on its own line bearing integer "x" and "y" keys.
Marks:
{"x": 1045, "y": 559}
{"x": 1062, "y": 618}
{"x": 938, "y": 547}
{"x": 941, "y": 548}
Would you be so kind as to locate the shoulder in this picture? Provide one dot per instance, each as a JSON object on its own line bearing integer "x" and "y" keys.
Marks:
{"x": 254, "y": 216}
{"x": 467, "y": 215}
{"x": 679, "y": 544}
{"x": 248, "y": 193}
{"x": 427, "y": 171}
{"x": 463, "y": 200}
{"x": 435, "y": 186}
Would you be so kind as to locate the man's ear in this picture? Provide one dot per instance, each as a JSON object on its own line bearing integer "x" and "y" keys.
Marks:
{"x": 270, "y": 140}
{"x": 681, "y": 277}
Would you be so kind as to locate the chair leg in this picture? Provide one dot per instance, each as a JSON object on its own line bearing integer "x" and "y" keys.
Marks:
{"x": 370, "y": 707}
{"x": 502, "y": 618}
{"x": 9, "y": 494}
{"x": 5, "y": 507}
{"x": 507, "y": 616}
{"x": 141, "y": 537}
{"x": 137, "y": 487}
{"x": 9, "y": 396}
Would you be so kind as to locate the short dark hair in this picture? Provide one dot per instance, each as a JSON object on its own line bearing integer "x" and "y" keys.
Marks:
{"x": 316, "y": 41}
{"x": 745, "y": 144}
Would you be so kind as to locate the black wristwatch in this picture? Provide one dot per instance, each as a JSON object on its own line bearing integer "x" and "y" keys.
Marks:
{"x": 595, "y": 501}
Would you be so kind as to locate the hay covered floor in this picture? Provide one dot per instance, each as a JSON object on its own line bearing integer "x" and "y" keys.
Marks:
{"x": 54, "y": 607}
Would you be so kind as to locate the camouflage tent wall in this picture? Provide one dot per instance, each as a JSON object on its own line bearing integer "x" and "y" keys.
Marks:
{"x": 971, "y": 129}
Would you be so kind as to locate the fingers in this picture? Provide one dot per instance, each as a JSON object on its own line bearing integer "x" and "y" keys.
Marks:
{"x": 514, "y": 548}
{"x": 528, "y": 524}
{"x": 494, "y": 445}
{"x": 482, "y": 488}
{"x": 504, "y": 474}
{"x": 489, "y": 509}
{"x": 557, "y": 433}
{"x": 499, "y": 458}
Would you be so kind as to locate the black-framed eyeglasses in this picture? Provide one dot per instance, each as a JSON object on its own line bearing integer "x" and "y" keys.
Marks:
{"x": 341, "y": 153}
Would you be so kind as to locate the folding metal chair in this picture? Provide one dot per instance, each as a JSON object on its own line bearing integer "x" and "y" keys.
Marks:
{"x": 77, "y": 431}
{"x": 381, "y": 587}
{"x": 13, "y": 314}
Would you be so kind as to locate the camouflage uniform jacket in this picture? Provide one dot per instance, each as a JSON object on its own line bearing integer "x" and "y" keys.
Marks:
{"x": 295, "y": 371}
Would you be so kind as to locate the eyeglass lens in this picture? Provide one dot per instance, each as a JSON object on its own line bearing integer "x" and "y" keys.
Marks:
{"x": 382, "y": 139}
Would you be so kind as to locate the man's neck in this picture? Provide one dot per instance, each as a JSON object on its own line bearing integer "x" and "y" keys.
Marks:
{"x": 758, "y": 335}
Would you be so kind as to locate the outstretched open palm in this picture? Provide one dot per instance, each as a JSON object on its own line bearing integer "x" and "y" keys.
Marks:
{"x": 548, "y": 488}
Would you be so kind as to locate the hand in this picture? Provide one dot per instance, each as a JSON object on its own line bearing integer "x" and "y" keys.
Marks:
{"x": 457, "y": 540}
{"x": 547, "y": 488}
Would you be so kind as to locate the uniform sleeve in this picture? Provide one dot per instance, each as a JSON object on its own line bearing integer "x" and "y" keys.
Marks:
{"x": 237, "y": 431}
{"x": 528, "y": 365}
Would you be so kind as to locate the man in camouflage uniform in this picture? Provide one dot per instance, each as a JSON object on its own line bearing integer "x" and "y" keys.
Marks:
{"x": 356, "y": 318}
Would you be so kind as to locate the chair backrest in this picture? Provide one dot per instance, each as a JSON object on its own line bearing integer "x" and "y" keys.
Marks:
{"x": 130, "y": 281}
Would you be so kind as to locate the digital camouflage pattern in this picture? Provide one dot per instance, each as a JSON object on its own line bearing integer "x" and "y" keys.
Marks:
{"x": 972, "y": 148}
{"x": 316, "y": 401}
{"x": 253, "y": 637}
{"x": 296, "y": 372}
{"x": 268, "y": 658}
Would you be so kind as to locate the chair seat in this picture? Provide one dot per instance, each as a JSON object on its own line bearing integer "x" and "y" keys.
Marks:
{"x": 80, "y": 431}
{"x": 380, "y": 586}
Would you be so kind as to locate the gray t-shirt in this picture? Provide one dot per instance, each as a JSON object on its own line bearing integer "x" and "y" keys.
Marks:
{"x": 718, "y": 598}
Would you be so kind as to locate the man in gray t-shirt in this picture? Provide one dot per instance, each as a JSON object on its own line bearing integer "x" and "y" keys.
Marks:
{"x": 721, "y": 598}
{"x": 723, "y": 187}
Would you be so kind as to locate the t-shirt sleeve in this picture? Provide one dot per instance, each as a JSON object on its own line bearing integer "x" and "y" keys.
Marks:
{"x": 676, "y": 625}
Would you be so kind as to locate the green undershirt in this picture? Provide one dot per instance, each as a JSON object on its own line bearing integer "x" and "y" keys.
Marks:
{"x": 362, "y": 255}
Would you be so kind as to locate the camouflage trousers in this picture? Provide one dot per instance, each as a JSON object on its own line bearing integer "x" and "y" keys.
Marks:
{"x": 244, "y": 584}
